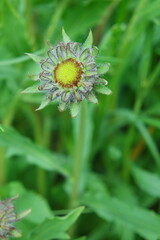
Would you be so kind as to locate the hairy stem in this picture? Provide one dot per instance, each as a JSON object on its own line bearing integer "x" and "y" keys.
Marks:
{"x": 78, "y": 156}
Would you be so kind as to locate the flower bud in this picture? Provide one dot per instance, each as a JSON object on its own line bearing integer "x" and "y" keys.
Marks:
{"x": 7, "y": 218}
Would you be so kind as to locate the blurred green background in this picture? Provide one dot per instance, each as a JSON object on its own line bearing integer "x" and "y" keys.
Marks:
{"x": 119, "y": 175}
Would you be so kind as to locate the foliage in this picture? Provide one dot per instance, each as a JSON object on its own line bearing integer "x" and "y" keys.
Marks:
{"x": 107, "y": 158}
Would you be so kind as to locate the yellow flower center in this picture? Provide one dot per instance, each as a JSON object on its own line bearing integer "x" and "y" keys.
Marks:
{"x": 68, "y": 73}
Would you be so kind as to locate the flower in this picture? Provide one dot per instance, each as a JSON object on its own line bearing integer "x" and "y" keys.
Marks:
{"x": 8, "y": 217}
{"x": 70, "y": 74}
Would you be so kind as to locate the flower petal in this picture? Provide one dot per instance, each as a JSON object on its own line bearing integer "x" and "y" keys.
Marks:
{"x": 45, "y": 76}
{"x": 78, "y": 95}
{"x": 91, "y": 66}
{"x": 48, "y": 65}
{"x": 63, "y": 51}
{"x": 32, "y": 89}
{"x": 95, "y": 51}
{"x": 34, "y": 77}
{"x": 52, "y": 55}
{"x": 70, "y": 50}
{"x": 14, "y": 233}
{"x": 74, "y": 109}
{"x": 91, "y": 97}
{"x": 102, "y": 89}
{"x": 84, "y": 54}
{"x": 62, "y": 106}
{"x": 66, "y": 96}
{"x": 55, "y": 94}
{"x": 91, "y": 72}
{"x": 101, "y": 81}
{"x": 59, "y": 53}
{"x": 35, "y": 58}
{"x": 44, "y": 103}
{"x": 102, "y": 69}
{"x": 77, "y": 49}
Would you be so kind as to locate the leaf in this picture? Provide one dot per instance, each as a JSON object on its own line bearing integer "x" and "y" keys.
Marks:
{"x": 147, "y": 181}
{"x": 55, "y": 227}
{"x": 44, "y": 103}
{"x": 102, "y": 69}
{"x": 89, "y": 41}
{"x": 18, "y": 59}
{"x": 152, "y": 121}
{"x": 74, "y": 109}
{"x": 143, "y": 222}
{"x": 39, "y": 206}
{"x": 83, "y": 126}
{"x": 102, "y": 89}
{"x": 35, "y": 58}
{"x": 66, "y": 38}
{"x": 32, "y": 89}
{"x": 148, "y": 139}
{"x": 34, "y": 154}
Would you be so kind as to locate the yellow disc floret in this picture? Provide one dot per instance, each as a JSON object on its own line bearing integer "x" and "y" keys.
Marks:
{"x": 68, "y": 73}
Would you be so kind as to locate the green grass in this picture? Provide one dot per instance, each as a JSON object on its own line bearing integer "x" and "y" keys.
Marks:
{"x": 107, "y": 159}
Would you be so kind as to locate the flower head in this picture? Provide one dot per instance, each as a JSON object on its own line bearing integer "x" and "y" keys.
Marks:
{"x": 70, "y": 74}
{"x": 8, "y": 217}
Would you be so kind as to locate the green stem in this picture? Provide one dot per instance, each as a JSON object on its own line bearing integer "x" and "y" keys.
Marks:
{"x": 78, "y": 156}
{"x": 2, "y": 166}
{"x": 77, "y": 164}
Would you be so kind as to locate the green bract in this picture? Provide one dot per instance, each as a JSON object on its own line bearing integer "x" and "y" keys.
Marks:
{"x": 8, "y": 217}
{"x": 70, "y": 74}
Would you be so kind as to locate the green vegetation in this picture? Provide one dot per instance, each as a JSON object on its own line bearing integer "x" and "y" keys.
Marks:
{"x": 97, "y": 176}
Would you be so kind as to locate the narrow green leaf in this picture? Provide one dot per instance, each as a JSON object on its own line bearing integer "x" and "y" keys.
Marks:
{"x": 102, "y": 69}
{"x": 44, "y": 103}
{"x": 35, "y": 58}
{"x": 55, "y": 228}
{"x": 89, "y": 41}
{"x": 35, "y": 202}
{"x": 147, "y": 181}
{"x": 32, "y": 89}
{"x": 18, "y": 59}
{"x": 152, "y": 121}
{"x": 141, "y": 221}
{"x": 149, "y": 140}
{"x": 66, "y": 38}
{"x": 102, "y": 89}
{"x": 74, "y": 109}
{"x": 33, "y": 154}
